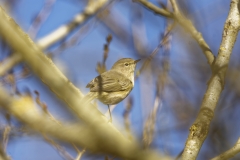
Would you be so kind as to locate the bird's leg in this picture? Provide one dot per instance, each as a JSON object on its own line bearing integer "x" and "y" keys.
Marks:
{"x": 110, "y": 114}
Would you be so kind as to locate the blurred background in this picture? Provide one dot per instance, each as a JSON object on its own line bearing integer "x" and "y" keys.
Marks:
{"x": 170, "y": 81}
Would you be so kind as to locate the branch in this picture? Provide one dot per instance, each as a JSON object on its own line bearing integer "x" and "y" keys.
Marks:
{"x": 92, "y": 8}
{"x": 59, "y": 148}
{"x": 200, "y": 127}
{"x": 126, "y": 114}
{"x": 3, "y": 146}
{"x": 65, "y": 90}
{"x": 55, "y": 80}
{"x": 164, "y": 42}
{"x": 3, "y": 155}
{"x": 59, "y": 84}
{"x": 6, "y": 132}
{"x": 185, "y": 23}
{"x": 41, "y": 17}
{"x": 8, "y": 63}
{"x": 25, "y": 110}
{"x": 229, "y": 153}
{"x": 154, "y": 8}
{"x": 174, "y": 6}
{"x": 80, "y": 153}
{"x": 149, "y": 126}
{"x": 58, "y": 34}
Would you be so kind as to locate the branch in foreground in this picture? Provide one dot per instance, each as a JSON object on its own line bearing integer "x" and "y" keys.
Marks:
{"x": 56, "y": 81}
{"x": 24, "y": 109}
{"x": 185, "y": 23}
{"x": 229, "y": 153}
{"x": 92, "y": 8}
{"x": 44, "y": 68}
{"x": 200, "y": 128}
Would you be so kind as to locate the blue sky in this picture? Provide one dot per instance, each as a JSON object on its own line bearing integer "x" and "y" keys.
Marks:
{"x": 78, "y": 63}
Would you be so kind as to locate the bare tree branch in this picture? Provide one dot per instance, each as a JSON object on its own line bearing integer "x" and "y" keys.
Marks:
{"x": 24, "y": 109}
{"x": 41, "y": 17}
{"x": 65, "y": 90}
{"x": 92, "y": 8}
{"x": 126, "y": 114}
{"x": 60, "y": 33}
{"x": 154, "y": 8}
{"x": 229, "y": 153}
{"x": 6, "y": 132}
{"x": 185, "y": 23}
{"x": 80, "y": 153}
{"x": 8, "y": 63}
{"x": 200, "y": 127}
{"x": 59, "y": 148}
{"x": 57, "y": 82}
{"x": 149, "y": 126}
{"x": 3, "y": 155}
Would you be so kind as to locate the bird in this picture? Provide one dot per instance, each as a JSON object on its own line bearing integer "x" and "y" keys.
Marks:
{"x": 114, "y": 85}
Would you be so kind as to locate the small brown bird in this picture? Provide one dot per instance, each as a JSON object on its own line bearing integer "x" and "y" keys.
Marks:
{"x": 112, "y": 86}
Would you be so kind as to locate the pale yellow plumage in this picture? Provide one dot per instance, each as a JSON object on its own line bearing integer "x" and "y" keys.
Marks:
{"x": 112, "y": 86}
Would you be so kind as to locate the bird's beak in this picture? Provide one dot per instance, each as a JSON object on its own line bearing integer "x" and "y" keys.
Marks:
{"x": 137, "y": 61}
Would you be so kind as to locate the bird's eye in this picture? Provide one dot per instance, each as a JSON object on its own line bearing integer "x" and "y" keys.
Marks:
{"x": 126, "y": 64}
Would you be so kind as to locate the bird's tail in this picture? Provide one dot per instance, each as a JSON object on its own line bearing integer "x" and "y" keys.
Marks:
{"x": 89, "y": 97}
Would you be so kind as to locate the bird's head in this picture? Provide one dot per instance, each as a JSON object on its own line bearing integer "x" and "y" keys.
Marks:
{"x": 125, "y": 66}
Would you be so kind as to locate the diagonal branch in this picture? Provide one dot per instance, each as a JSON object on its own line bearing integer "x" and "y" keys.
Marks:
{"x": 174, "y": 6}
{"x": 66, "y": 91}
{"x": 24, "y": 109}
{"x": 92, "y": 8}
{"x": 184, "y": 22}
{"x": 229, "y": 153}
{"x": 9, "y": 63}
{"x": 59, "y": 148}
{"x": 155, "y": 9}
{"x": 56, "y": 81}
{"x": 200, "y": 128}
{"x": 41, "y": 17}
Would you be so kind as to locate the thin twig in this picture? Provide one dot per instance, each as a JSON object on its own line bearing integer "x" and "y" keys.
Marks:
{"x": 74, "y": 40}
{"x": 59, "y": 148}
{"x": 82, "y": 33}
{"x": 149, "y": 126}
{"x": 163, "y": 42}
{"x": 3, "y": 155}
{"x": 185, "y": 23}
{"x": 117, "y": 26}
{"x": 155, "y": 9}
{"x": 44, "y": 107}
{"x": 6, "y": 132}
{"x": 101, "y": 67}
{"x": 9, "y": 63}
{"x": 126, "y": 117}
{"x": 229, "y": 153}
{"x": 138, "y": 28}
{"x": 80, "y": 153}
{"x": 91, "y": 9}
{"x": 41, "y": 17}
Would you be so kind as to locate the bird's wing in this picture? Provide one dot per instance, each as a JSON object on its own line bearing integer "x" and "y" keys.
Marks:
{"x": 110, "y": 81}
